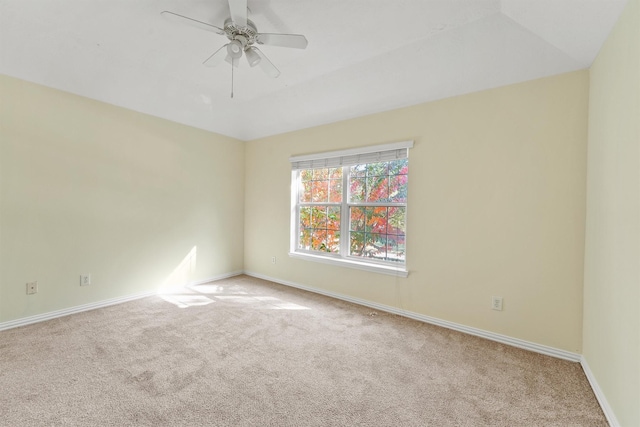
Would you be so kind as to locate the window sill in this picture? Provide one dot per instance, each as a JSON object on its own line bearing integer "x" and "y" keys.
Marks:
{"x": 375, "y": 268}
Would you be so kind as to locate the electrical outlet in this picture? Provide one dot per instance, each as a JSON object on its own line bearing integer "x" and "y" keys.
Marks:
{"x": 85, "y": 279}
{"x": 496, "y": 303}
{"x": 273, "y": 260}
{"x": 32, "y": 288}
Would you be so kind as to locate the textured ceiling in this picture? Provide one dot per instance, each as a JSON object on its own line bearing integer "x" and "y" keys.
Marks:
{"x": 364, "y": 56}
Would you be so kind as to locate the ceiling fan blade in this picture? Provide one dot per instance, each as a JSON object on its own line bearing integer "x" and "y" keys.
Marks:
{"x": 216, "y": 57}
{"x": 190, "y": 21}
{"x": 266, "y": 65}
{"x": 297, "y": 41}
{"x": 238, "y": 9}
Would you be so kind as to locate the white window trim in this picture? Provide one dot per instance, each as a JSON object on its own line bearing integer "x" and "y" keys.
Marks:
{"x": 394, "y": 270}
{"x": 347, "y": 262}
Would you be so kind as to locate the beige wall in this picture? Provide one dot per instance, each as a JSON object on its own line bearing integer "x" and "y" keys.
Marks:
{"x": 86, "y": 187}
{"x": 496, "y": 207}
{"x": 612, "y": 257}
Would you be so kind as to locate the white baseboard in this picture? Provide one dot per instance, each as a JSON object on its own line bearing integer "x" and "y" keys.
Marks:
{"x": 602, "y": 400}
{"x": 99, "y": 304}
{"x": 71, "y": 310}
{"x": 504, "y": 339}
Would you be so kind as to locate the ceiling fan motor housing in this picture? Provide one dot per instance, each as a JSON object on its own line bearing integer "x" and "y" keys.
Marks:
{"x": 245, "y": 35}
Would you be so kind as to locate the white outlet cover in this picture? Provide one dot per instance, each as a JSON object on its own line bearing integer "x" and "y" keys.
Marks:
{"x": 32, "y": 288}
{"x": 85, "y": 279}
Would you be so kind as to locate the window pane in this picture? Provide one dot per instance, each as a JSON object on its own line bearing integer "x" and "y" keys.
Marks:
{"x": 399, "y": 167}
{"x": 333, "y": 241}
{"x": 305, "y": 238}
{"x": 377, "y": 169}
{"x": 356, "y": 243}
{"x": 376, "y": 219}
{"x": 396, "y": 248}
{"x": 333, "y": 218}
{"x": 398, "y": 188}
{"x": 319, "y": 191}
{"x": 357, "y": 219}
{"x": 335, "y": 191}
{"x": 320, "y": 174}
{"x": 319, "y": 217}
{"x": 367, "y": 245}
{"x": 319, "y": 240}
{"x": 376, "y": 246}
{"x": 305, "y": 218}
{"x": 377, "y": 189}
{"x": 357, "y": 190}
{"x": 305, "y": 191}
{"x": 383, "y": 238}
{"x": 335, "y": 173}
{"x": 358, "y": 171}
{"x": 379, "y": 182}
{"x": 396, "y": 222}
{"x": 320, "y": 228}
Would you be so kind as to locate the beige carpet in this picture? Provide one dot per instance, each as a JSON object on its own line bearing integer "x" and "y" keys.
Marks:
{"x": 245, "y": 352}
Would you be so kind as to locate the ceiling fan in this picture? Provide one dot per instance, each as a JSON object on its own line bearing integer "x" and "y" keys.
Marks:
{"x": 243, "y": 35}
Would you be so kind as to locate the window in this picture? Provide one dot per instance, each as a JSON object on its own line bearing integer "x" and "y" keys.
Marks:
{"x": 350, "y": 207}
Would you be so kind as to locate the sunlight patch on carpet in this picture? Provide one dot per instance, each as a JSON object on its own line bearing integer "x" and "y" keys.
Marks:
{"x": 185, "y": 301}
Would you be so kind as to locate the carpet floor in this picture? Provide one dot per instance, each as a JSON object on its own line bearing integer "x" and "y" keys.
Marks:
{"x": 247, "y": 352}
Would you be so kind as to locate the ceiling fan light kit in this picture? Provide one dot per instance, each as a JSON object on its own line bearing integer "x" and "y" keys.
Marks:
{"x": 243, "y": 35}
{"x": 252, "y": 56}
{"x": 234, "y": 49}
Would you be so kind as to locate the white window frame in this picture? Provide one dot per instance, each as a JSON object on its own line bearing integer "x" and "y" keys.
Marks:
{"x": 362, "y": 155}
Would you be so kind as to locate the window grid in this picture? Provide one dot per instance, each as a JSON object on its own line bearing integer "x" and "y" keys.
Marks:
{"x": 373, "y": 217}
{"x": 319, "y": 212}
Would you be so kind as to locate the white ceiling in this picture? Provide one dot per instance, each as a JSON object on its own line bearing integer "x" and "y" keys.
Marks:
{"x": 364, "y": 56}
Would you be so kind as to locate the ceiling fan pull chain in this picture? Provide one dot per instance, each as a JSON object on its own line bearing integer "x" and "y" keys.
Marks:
{"x": 232, "y": 67}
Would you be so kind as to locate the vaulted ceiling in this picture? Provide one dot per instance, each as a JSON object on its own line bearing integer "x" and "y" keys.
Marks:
{"x": 364, "y": 56}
